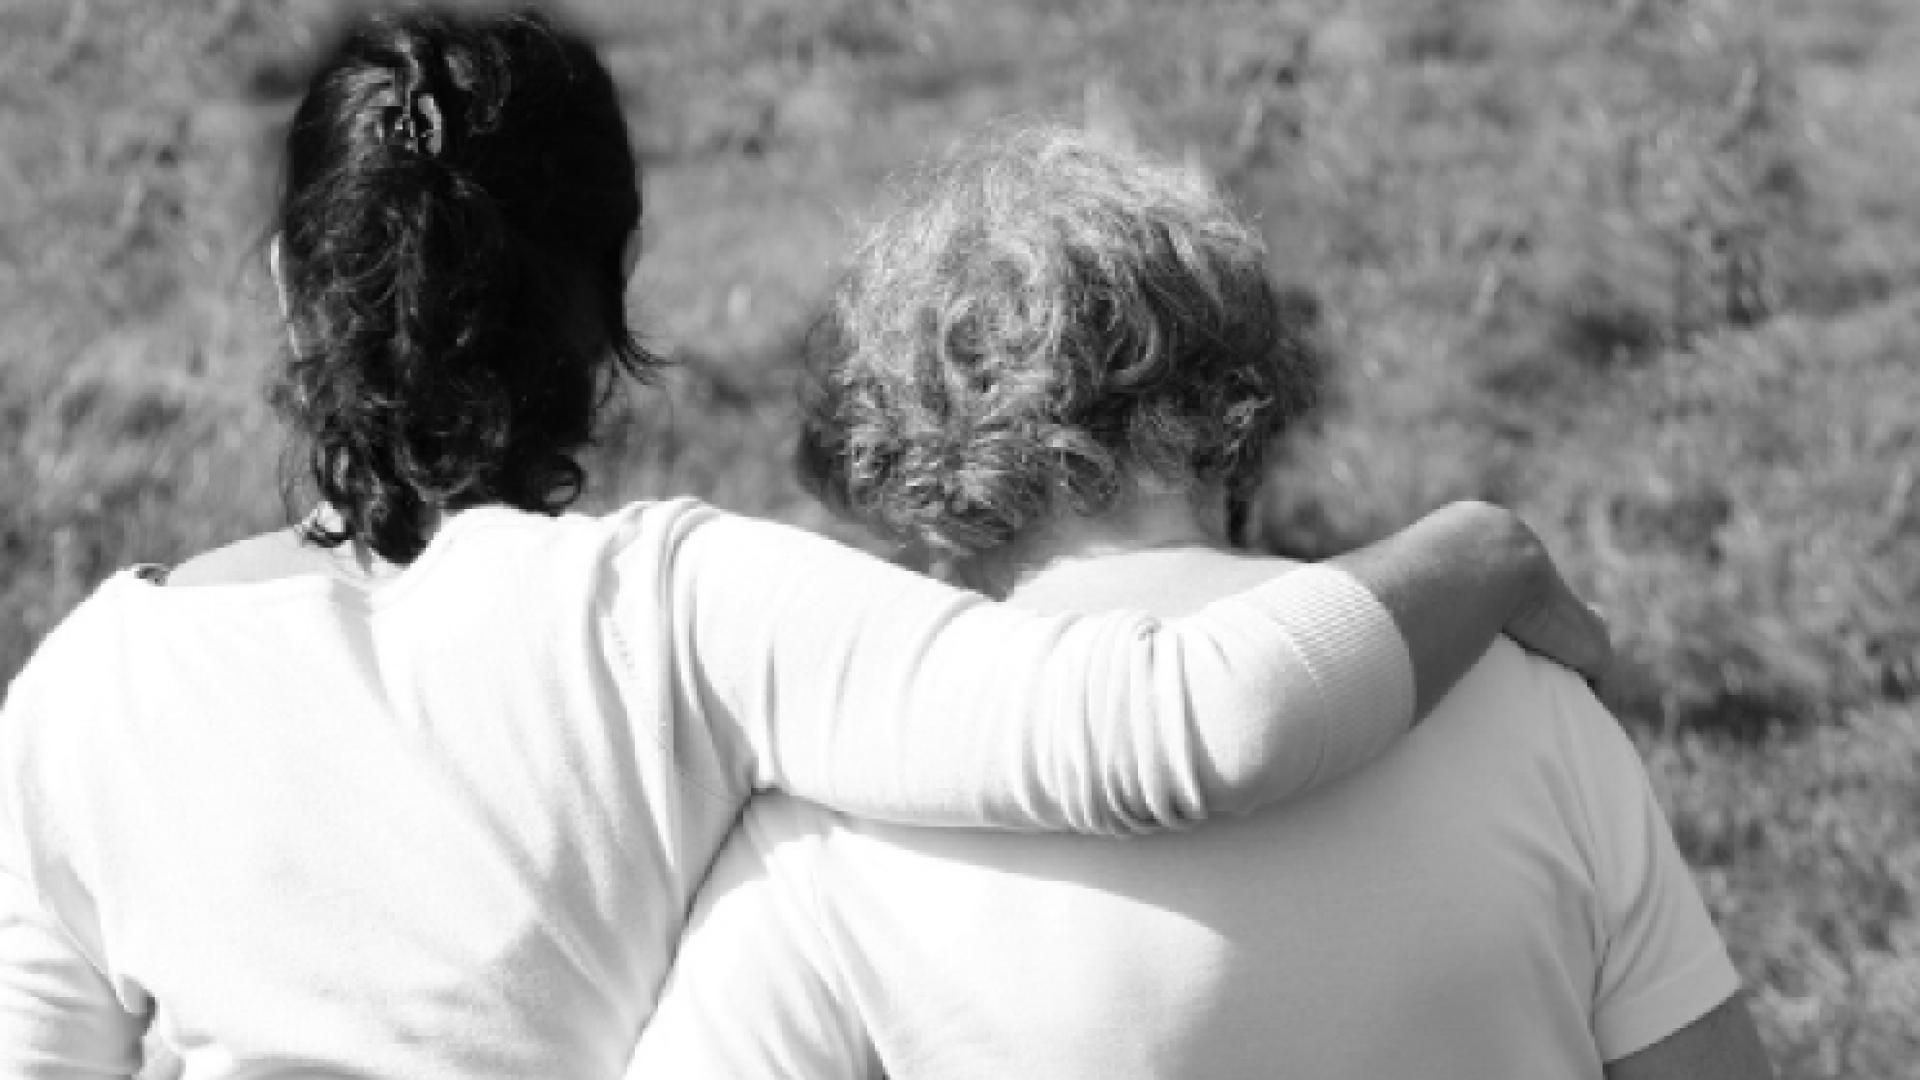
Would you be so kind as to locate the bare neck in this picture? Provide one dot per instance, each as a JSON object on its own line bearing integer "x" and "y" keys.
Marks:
{"x": 288, "y": 553}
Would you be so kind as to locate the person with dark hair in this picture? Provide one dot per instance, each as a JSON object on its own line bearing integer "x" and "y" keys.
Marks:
{"x": 1054, "y": 366}
{"x": 423, "y": 786}
{"x": 457, "y": 221}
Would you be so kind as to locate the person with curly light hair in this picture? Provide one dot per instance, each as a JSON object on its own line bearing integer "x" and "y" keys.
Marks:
{"x": 1043, "y": 334}
{"x": 1050, "y": 372}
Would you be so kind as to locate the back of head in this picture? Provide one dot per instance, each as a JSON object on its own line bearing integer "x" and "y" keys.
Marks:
{"x": 459, "y": 192}
{"x": 1045, "y": 320}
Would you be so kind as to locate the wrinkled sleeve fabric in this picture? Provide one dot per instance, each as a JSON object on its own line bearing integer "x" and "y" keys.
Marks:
{"x": 59, "y": 1019}
{"x": 59, "y": 1016}
{"x": 870, "y": 689}
{"x": 1662, "y": 964}
{"x": 754, "y": 991}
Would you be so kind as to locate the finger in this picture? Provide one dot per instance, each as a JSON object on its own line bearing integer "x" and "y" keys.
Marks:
{"x": 1567, "y": 631}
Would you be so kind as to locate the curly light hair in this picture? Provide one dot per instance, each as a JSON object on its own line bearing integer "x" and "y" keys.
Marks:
{"x": 1045, "y": 320}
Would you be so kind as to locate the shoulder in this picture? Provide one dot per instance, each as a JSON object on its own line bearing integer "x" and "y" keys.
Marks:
{"x": 1509, "y": 679}
{"x": 1523, "y": 708}
{"x": 673, "y": 526}
{"x": 1165, "y": 582}
{"x": 1586, "y": 729}
{"x": 55, "y": 705}
{"x": 1523, "y": 704}
{"x": 266, "y": 557}
{"x": 685, "y": 547}
{"x": 285, "y": 553}
{"x": 80, "y": 641}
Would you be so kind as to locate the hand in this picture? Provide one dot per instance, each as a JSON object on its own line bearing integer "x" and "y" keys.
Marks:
{"x": 1558, "y": 625}
{"x": 1464, "y": 574}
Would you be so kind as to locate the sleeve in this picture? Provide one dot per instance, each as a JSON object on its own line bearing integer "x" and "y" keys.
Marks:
{"x": 752, "y": 992}
{"x": 1662, "y": 964}
{"x": 59, "y": 1016}
{"x": 879, "y": 692}
{"x": 59, "y": 1019}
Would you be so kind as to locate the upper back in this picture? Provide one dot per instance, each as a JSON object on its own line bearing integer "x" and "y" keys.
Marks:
{"x": 309, "y": 822}
{"x": 1441, "y": 892}
{"x": 1454, "y": 910}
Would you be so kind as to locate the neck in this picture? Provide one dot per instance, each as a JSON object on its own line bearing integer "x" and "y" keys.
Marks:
{"x": 353, "y": 559}
{"x": 1143, "y": 521}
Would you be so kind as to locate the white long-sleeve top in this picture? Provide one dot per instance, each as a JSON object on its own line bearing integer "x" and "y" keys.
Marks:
{"x": 1498, "y": 898}
{"x": 450, "y": 827}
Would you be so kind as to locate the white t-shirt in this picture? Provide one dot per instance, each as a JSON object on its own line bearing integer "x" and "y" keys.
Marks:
{"x": 1498, "y": 896}
{"x": 450, "y": 827}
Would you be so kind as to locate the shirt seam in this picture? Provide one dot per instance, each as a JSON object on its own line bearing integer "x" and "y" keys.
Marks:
{"x": 661, "y": 742}
{"x": 1583, "y": 809}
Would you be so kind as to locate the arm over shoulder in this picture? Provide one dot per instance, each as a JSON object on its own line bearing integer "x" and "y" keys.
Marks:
{"x": 877, "y": 691}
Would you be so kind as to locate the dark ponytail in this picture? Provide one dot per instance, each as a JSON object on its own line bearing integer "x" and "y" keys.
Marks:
{"x": 459, "y": 192}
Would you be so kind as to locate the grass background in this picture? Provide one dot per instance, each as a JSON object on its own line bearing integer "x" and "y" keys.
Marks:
{"x": 1648, "y": 270}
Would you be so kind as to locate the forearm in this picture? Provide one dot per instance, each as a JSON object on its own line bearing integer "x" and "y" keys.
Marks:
{"x": 1462, "y": 575}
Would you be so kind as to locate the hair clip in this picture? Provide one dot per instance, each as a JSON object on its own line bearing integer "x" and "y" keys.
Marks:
{"x": 423, "y": 123}
{"x": 416, "y": 117}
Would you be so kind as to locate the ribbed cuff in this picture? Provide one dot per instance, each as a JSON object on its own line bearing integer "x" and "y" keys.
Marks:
{"x": 1351, "y": 646}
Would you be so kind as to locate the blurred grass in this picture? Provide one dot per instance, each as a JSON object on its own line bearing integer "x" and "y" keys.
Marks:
{"x": 1645, "y": 269}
